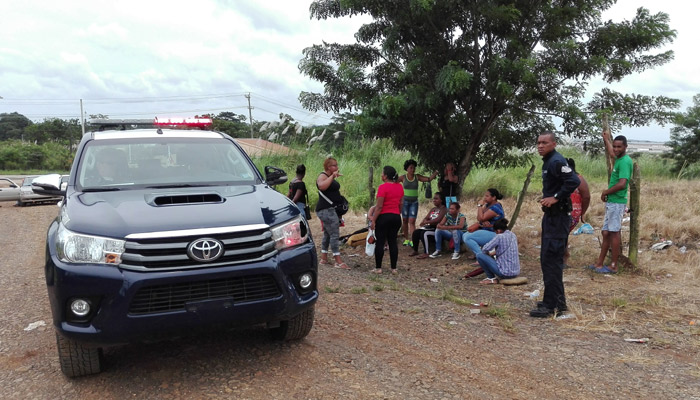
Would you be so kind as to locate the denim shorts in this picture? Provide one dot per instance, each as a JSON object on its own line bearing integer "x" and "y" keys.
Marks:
{"x": 410, "y": 209}
{"x": 613, "y": 216}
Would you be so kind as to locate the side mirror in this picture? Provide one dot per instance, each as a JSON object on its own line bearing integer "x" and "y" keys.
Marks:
{"x": 48, "y": 185}
{"x": 275, "y": 176}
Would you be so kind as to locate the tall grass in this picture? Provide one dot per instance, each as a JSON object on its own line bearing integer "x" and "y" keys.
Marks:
{"x": 355, "y": 159}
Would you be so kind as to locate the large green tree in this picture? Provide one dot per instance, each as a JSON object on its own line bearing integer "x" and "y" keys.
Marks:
{"x": 12, "y": 125}
{"x": 685, "y": 137}
{"x": 472, "y": 81}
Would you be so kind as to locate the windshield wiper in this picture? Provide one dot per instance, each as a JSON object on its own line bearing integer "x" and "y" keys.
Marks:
{"x": 103, "y": 189}
{"x": 180, "y": 185}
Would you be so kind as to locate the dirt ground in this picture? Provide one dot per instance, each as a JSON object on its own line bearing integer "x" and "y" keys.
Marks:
{"x": 385, "y": 337}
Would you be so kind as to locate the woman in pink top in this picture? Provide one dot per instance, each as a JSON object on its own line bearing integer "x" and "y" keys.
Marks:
{"x": 386, "y": 219}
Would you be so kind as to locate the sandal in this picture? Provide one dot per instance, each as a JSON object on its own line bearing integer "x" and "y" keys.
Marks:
{"x": 422, "y": 256}
{"x": 342, "y": 265}
{"x": 604, "y": 270}
{"x": 377, "y": 271}
{"x": 489, "y": 281}
{"x": 413, "y": 254}
{"x": 324, "y": 262}
{"x": 394, "y": 271}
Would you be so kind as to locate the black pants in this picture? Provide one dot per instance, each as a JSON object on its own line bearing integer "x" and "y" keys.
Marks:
{"x": 425, "y": 236}
{"x": 386, "y": 230}
{"x": 555, "y": 236}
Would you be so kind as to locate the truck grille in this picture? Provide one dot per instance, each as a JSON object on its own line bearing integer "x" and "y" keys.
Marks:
{"x": 170, "y": 253}
{"x": 175, "y": 297}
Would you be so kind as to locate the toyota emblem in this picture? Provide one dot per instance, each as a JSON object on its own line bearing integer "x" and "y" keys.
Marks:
{"x": 205, "y": 250}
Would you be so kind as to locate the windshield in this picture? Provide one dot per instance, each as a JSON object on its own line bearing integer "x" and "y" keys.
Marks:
{"x": 163, "y": 162}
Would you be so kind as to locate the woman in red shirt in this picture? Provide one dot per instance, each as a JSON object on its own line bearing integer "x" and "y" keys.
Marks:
{"x": 386, "y": 219}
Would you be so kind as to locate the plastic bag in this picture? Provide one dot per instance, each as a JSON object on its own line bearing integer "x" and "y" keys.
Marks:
{"x": 370, "y": 243}
{"x": 585, "y": 228}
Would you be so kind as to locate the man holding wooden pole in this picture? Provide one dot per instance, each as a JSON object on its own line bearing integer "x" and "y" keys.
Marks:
{"x": 615, "y": 198}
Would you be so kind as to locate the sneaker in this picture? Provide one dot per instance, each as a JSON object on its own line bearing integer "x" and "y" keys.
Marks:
{"x": 436, "y": 254}
{"x": 455, "y": 256}
{"x": 540, "y": 304}
{"x": 406, "y": 242}
{"x": 410, "y": 243}
{"x": 542, "y": 312}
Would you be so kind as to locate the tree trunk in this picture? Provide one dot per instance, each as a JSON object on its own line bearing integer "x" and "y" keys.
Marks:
{"x": 607, "y": 144}
{"x": 521, "y": 197}
{"x": 370, "y": 186}
{"x": 635, "y": 195}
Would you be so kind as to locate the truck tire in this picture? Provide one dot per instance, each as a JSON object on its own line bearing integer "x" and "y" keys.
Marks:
{"x": 297, "y": 327}
{"x": 78, "y": 359}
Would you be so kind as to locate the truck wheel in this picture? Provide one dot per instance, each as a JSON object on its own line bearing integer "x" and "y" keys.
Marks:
{"x": 297, "y": 327}
{"x": 78, "y": 359}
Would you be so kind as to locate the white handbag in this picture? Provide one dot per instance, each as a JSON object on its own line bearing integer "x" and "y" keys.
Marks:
{"x": 369, "y": 245}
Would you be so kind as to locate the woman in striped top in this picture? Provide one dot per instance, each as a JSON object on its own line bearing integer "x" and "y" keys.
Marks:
{"x": 410, "y": 199}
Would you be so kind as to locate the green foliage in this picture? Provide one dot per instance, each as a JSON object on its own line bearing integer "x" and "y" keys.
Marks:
{"x": 685, "y": 140}
{"x": 22, "y": 156}
{"x": 473, "y": 82}
{"x": 12, "y": 125}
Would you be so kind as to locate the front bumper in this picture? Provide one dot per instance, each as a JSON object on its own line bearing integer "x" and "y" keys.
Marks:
{"x": 129, "y": 306}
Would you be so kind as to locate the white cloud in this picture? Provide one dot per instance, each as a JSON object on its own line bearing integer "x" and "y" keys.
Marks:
{"x": 188, "y": 56}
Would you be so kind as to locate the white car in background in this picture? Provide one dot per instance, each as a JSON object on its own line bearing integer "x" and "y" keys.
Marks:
{"x": 9, "y": 191}
{"x": 27, "y": 195}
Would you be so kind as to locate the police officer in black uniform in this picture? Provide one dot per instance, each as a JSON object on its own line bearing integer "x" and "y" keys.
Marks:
{"x": 558, "y": 182}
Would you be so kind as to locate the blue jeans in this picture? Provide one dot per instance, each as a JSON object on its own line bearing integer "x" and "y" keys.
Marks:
{"x": 441, "y": 235}
{"x": 490, "y": 266}
{"x": 478, "y": 238}
{"x": 300, "y": 206}
{"x": 410, "y": 209}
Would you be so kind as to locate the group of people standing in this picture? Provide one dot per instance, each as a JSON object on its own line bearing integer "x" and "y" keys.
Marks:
{"x": 565, "y": 200}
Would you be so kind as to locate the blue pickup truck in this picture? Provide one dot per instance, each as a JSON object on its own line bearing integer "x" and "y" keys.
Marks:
{"x": 168, "y": 230}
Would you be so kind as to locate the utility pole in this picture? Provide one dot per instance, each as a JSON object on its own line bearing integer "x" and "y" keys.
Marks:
{"x": 250, "y": 114}
{"x": 82, "y": 118}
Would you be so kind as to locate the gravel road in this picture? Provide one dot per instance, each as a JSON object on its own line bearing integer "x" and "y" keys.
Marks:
{"x": 388, "y": 337}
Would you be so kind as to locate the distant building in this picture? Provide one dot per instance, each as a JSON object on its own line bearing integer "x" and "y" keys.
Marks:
{"x": 643, "y": 146}
{"x": 633, "y": 146}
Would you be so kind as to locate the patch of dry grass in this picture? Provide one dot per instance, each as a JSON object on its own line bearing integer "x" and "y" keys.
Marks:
{"x": 660, "y": 295}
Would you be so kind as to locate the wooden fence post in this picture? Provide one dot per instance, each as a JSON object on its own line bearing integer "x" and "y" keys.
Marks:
{"x": 635, "y": 210}
{"x": 521, "y": 197}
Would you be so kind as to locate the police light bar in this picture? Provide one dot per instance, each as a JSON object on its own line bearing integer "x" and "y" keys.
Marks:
{"x": 189, "y": 122}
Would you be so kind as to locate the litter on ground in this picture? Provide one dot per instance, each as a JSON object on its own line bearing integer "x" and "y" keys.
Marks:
{"x": 34, "y": 325}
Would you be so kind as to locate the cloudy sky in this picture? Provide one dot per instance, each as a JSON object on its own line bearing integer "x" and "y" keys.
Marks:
{"x": 139, "y": 59}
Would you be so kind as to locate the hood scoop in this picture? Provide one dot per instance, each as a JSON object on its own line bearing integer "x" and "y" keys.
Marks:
{"x": 179, "y": 199}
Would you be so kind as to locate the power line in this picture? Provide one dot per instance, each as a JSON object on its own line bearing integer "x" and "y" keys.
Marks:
{"x": 91, "y": 103}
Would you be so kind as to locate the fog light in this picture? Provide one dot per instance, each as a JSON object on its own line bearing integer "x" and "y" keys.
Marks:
{"x": 305, "y": 280}
{"x": 80, "y": 307}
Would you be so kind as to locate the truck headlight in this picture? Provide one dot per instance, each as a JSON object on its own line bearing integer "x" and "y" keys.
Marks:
{"x": 290, "y": 234}
{"x": 76, "y": 248}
